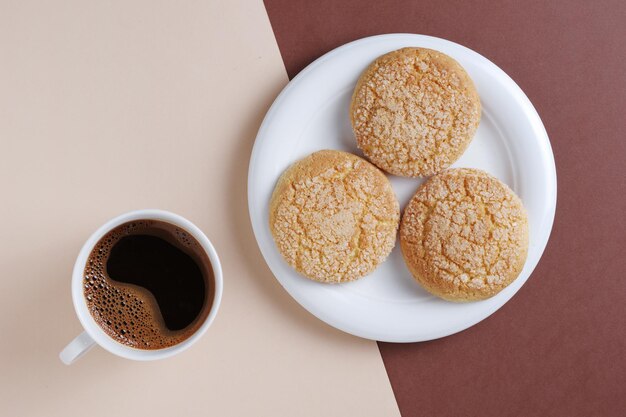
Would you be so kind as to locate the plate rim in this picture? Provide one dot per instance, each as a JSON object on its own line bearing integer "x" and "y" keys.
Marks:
{"x": 525, "y": 101}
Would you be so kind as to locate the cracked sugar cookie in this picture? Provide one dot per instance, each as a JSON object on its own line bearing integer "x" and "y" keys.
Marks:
{"x": 414, "y": 111}
{"x": 334, "y": 216}
{"x": 464, "y": 235}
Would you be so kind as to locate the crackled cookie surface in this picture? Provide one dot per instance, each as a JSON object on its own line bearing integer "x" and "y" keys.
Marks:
{"x": 464, "y": 235}
{"x": 414, "y": 111}
{"x": 334, "y": 216}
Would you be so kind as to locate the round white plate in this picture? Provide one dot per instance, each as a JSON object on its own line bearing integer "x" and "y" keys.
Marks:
{"x": 311, "y": 114}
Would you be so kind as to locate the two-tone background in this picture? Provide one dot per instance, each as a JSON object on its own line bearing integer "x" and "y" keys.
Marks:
{"x": 111, "y": 106}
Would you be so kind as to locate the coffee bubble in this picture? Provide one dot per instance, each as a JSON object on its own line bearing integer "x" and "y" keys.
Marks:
{"x": 131, "y": 313}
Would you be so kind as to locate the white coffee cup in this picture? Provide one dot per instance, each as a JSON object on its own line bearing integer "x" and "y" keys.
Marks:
{"x": 93, "y": 333}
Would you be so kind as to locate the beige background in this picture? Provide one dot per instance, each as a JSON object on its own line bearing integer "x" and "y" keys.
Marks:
{"x": 112, "y": 106}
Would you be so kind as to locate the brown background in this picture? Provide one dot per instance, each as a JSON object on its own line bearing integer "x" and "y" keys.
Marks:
{"x": 557, "y": 348}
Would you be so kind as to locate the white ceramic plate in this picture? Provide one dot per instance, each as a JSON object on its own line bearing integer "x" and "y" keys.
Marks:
{"x": 312, "y": 114}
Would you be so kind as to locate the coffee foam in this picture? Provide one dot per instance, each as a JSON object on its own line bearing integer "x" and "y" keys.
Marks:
{"x": 130, "y": 313}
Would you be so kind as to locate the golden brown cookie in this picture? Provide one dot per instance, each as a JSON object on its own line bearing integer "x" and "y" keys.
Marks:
{"x": 414, "y": 111}
{"x": 334, "y": 216}
{"x": 464, "y": 235}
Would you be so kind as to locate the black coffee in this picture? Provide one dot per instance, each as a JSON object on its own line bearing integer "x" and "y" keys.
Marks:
{"x": 148, "y": 284}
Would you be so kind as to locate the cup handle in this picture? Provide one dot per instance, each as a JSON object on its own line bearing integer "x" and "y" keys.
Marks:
{"x": 76, "y": 348}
